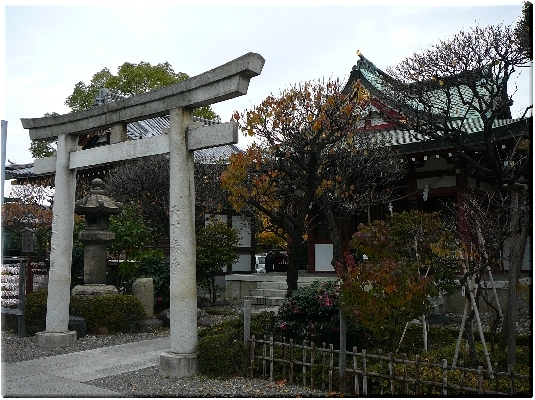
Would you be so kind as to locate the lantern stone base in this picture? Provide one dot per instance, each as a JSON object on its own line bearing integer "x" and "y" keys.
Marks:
{"x": 55, "y": 339}
{"x": 178, "y": 365}
{"x": 94, "y": 290}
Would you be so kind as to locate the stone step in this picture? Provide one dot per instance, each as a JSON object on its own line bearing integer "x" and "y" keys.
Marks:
{"x": 268, "y": 292}
{"x": 274, "y": 309}
{"x": 280, "y": 285}
{"x": 265, "y": 301}
{"x": 271, "y": 285}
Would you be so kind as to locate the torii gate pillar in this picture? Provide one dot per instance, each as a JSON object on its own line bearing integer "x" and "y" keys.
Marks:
{"x": 221, "y": 83}
{"x": 181, "y": 360}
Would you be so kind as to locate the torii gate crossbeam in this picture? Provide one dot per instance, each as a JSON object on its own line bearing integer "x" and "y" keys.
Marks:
{"x": 221, "y": 83}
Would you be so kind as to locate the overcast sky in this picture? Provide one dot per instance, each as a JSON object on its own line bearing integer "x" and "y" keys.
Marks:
{"x": 49, "y": 49}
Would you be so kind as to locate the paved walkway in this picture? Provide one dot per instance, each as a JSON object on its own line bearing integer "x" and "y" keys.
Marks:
{"x": 64, "y": 375}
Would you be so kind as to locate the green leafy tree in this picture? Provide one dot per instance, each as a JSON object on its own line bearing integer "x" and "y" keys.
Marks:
{"x": 396, "y": 266}
{"x": 44, "y": 148}
{"x": 216, "y": 248}
{"x": 131, "y": 80}
{"x": 131, "y": 233}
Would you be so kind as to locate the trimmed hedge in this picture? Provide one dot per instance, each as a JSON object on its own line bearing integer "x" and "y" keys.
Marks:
{"x": 114, "y": 313}
{"x": 35, "y": 311}
{"x": 221, "y": 351}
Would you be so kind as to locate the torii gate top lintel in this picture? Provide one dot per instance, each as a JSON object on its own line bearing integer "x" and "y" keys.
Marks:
{"x": 184, "y": 137}
{"x": 221, "y": 83}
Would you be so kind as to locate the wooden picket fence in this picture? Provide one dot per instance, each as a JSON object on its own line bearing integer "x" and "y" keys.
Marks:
{"x": 375, "y": 374}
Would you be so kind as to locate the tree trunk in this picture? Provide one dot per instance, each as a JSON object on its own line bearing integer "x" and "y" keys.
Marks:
{"x": 516, "y": 258}
{"x": 332, "y": 228}
{"x": 295, "y": 247}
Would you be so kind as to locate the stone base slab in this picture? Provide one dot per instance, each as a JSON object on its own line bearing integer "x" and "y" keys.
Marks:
{"x": 94, "y": 290}
{"x": 178, "y": 365}
{"x": 55, "y": 339}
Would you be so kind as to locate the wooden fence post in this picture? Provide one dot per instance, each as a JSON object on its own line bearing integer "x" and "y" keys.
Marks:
{"x": 264, "y": 359}
{"x": 312, "y": 349}
{"x": 246, "y": 321}
{"x": 253, "y": 342}
{"x": 304, "y": 364}
{"x": 381, "y": 370}
{"x": 461, "y": 364}
{"x": 417, "y": 373}
{"x": 392, "y": 370}
{"x": 405, "y": 373}
{"x": 364, "y": 374}
{"x": 323, "y": 352}
{"x": 331, "y": 367}
{"x": 291, "y": 361}
{"x": 284, "y": 355}
{"x": 355, "y": 367}
{"x": 342, "y": 358}
{"x": 511, "y": 378}
{"x": 444, "y": 377}
{"x": 480, "y": 379}
{"x": 271, "y": 359}
{"x": 496, "y": 379}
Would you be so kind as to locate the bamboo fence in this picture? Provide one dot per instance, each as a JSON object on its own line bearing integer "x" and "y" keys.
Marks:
{"x": 375, "y": 374}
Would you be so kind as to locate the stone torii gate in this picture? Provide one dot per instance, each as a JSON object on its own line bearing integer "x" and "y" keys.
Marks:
{"x": 224, "y": 82}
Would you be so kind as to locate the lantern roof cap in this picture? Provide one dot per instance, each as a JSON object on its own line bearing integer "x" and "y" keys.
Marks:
{"x": 97, "y": 202}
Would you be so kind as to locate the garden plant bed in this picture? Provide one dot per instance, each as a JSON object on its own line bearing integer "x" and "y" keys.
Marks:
{"x": 148, "y": 383}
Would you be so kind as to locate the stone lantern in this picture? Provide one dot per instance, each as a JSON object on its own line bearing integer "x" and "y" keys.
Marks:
{"x": 97, "y": 208}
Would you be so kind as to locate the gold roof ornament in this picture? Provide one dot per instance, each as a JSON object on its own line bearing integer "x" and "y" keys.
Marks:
{"x": 359, "y": 53}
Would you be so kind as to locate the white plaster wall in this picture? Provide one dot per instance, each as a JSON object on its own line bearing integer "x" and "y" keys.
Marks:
{"x": 243, "y": 264}
{"x": 323, "y": 257}
{"x": 244, "y": 230}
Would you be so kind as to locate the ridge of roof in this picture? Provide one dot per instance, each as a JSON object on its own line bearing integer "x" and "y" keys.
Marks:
{"x": 376, "y": 82}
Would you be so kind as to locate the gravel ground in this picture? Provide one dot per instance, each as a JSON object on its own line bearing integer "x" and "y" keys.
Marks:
{"x": 148, "y": 383}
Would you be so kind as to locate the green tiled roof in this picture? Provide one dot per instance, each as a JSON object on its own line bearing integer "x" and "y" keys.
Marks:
{"x": 460, "y": 96}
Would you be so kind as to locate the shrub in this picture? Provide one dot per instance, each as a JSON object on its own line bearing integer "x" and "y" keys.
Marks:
{"x": 117, "y": 312}
{"x": 408, "y": 259}
{"x": 153, "y": 264}
{"x": 221, "y": 351}
{"x": 35, "y": 312}
{"x": 469, "y": 379}
{"x": 312, "y": 313}
{"x": 222, "y": 355}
